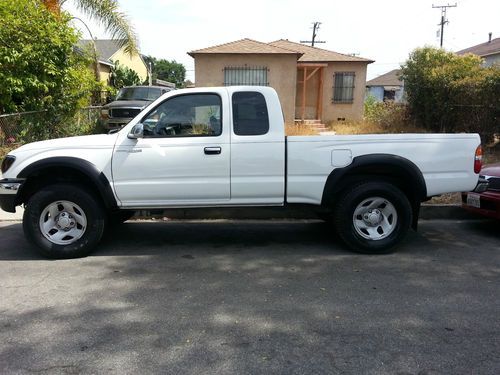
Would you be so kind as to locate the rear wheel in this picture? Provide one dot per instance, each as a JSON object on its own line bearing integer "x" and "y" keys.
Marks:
{"x": 373, "y": 217}
{"x": 63, "y": 221}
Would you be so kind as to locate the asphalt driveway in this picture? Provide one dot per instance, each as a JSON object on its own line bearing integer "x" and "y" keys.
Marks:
{"x": 253, "y": 298}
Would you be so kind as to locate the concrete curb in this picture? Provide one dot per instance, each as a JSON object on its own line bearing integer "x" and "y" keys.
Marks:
{"x": 427, "y": 212}
{"x": 7, "y": 216}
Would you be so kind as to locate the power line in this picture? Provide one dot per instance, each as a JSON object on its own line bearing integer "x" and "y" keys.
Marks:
{"x": 314, "y": 35}
{"x": 443, "y": 18}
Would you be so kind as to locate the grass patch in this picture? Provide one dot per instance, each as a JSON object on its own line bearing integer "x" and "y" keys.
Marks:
{"x": 300, "y": 129}
{"x": 371, "y": 127}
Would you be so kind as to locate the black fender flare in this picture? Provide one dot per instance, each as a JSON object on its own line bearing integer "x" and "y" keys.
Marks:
{"x": 378, "y": 164}
{"x": 95, "y": 176}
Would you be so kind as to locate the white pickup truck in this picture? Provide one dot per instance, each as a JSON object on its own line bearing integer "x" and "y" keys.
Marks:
{"x": 226, "y": 147}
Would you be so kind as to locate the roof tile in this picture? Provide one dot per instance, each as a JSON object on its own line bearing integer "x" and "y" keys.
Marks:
{"x": 105, "y": 47}
{"x": 483, "y": 49}
{"x": 388, "y": 79}
{"x": 244, "y": 46}
{"x": 315, "y": 54}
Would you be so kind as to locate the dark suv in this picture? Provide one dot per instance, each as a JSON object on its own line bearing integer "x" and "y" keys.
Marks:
{"x": 128, "y": 103}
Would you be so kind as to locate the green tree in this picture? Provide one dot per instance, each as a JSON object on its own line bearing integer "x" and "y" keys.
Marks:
{"x": 451, "y": 93}
{"x": 39, "y": 68}
{"x": 123, "y": 76}
{"x": 107, "y": 14}
{"x": 170, "y": 71}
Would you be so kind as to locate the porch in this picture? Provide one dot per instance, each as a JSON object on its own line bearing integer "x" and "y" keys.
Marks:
{"x": 309, "y": 93}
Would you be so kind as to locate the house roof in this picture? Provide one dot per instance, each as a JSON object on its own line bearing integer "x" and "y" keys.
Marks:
{"x": 105, "y": 47}
{"x": 244, "y": 46}
{"x": 483, "y": 49}
{"x": 315, "y": 54}
{"x": 388, "y": 79}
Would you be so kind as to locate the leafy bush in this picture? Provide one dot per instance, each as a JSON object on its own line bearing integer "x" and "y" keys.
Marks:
{"x": 122, "y": 76}
{"x": 40, "y": 69}
{"x": 391, "y": 116}
{"x": 451, "y": 93}
{"x": 170, "y": 71}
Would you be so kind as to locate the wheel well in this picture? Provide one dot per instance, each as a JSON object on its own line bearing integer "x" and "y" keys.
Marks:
{"x": 390, "y": 168}
{"x": 61, "y": 174}
{"x": 397, "y": 171}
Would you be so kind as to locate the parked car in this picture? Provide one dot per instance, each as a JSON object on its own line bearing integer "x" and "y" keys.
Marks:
{"x": 128, "y": 103}
{"x": 485, "y": 199}
{"x": 226, "y": 147}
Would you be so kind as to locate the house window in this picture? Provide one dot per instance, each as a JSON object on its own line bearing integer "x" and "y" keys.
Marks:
{"x": 246, "y": 76}
{"x": 343, "y": 90}
{"x": 389, "y": 95}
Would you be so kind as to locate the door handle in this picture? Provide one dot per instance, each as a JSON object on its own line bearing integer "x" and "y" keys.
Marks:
{"x": 212, "y": 150}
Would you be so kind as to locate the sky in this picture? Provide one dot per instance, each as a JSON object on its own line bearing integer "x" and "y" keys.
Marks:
{"x": 382, "y": 30}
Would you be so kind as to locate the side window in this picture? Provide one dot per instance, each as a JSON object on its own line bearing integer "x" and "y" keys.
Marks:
{"x": 250, "y": 115}
{"x": 192, "y": 115}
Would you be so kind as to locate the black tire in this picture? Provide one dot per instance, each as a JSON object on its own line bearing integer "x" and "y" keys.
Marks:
{"x": 344, "y": 220}
{"x": 92, "y": 232}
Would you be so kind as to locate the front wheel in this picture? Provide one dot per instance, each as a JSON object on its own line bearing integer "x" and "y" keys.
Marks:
{"x": 63, "y": 221}
{"x": 373, "y": 217}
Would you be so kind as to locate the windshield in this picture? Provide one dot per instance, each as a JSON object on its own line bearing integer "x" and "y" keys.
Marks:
{"x": 139, "y": 93}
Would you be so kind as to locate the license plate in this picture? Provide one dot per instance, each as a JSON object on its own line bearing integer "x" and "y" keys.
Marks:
{"x": 473, "y": 200}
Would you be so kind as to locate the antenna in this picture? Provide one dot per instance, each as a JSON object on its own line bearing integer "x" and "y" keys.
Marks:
{"x": 314, "y": 35}
{"x": 443, "y": 18}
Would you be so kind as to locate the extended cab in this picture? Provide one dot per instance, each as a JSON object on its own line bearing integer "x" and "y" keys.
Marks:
{"x": 226, "y": 147}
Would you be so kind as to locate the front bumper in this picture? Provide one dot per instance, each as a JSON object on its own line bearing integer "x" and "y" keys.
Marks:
{"x": 9, "y": 190}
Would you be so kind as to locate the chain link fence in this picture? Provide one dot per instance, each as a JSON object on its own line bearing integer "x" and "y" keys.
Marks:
{"x": 17, "y": 129}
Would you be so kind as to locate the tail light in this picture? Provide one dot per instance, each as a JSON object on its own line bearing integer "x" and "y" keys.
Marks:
{"x": 478, "y": 158}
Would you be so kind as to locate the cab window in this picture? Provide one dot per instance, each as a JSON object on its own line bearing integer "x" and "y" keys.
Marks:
{"x": 192, "y": 115}
{"x": 250, "y": 116}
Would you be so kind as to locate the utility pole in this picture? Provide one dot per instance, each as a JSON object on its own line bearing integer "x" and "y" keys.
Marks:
{"x": 443, "y": 18}
{"x": 150, "y": 74}
{"x": 314, "y": 35}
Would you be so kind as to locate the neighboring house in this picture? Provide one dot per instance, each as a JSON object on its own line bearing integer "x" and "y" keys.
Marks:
{"x": 109, "y": 52}
{"x": 388, "y": 86}
{"x": 312, "y": 83}
{"x": 489, "y": 51}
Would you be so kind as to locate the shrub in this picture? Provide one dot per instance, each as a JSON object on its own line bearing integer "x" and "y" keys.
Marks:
{"x": 122, "y": 76}
{"x": 40, "y": 69}
{"x": 451, "y": 93}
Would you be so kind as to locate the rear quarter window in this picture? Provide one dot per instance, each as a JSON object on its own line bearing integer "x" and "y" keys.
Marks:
{"x": 250, "y": 116}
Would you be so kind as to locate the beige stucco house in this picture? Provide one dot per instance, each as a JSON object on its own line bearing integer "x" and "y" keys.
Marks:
{"x": 109, "y": 52}
{"x": 312, "y": 83}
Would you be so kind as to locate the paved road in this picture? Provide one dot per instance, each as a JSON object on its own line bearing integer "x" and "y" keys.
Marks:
{"x": 253, "y": 298}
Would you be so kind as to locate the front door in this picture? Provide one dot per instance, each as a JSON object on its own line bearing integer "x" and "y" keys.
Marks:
{"x": 182, "y": 159}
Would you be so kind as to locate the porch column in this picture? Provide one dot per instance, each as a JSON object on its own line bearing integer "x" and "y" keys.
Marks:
{"x": 319, "y": 104}
{"x": 304, "y": 94}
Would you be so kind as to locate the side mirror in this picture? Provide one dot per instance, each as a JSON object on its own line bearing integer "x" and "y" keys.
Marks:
{"x": 136, "y": 132}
